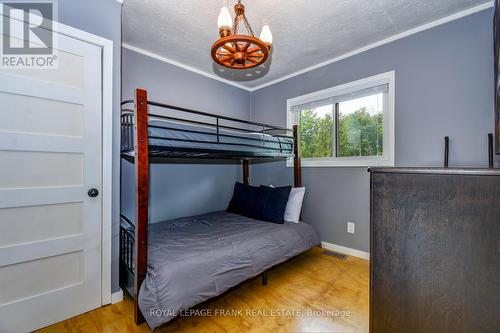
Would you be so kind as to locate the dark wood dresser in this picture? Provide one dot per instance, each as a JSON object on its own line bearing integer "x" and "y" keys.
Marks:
{"x": 435, "y": 250}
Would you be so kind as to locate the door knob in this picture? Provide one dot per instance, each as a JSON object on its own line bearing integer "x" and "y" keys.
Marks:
{"x": 93, "y": 192}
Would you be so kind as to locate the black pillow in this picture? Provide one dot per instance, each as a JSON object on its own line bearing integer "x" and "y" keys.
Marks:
{"x": 245, "y": 201}
{"x": 260, "y": 203}
{"x": 273, "y": 203}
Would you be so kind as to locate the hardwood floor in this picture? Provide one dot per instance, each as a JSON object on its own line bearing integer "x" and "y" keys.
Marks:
{"x": 309, "y": 282}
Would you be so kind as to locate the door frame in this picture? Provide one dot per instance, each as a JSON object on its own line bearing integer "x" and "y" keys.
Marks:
{"x": 106, "y": 46}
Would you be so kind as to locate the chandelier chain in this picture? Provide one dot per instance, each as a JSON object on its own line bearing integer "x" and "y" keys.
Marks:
{"x": 249, "y": 28}
{"x": 236, "y": 22}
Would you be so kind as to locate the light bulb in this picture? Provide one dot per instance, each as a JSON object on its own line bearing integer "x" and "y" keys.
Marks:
{"x": 266, "y": 36}
{"x": 224, "y": 21}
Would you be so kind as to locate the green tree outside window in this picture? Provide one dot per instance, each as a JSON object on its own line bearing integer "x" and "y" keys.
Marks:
{"x": 359, "y": 134}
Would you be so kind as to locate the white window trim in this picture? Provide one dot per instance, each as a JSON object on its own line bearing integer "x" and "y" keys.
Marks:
{"x": 389, "y": 122}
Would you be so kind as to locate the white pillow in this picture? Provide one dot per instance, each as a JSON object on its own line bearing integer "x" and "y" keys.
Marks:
{"x": 294, "y": 204}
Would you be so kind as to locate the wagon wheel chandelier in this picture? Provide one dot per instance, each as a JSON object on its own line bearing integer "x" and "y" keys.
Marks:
{"x": 237, "y": 51}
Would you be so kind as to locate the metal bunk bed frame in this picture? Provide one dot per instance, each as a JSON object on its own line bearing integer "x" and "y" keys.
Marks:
{"x": 136, "y": 149}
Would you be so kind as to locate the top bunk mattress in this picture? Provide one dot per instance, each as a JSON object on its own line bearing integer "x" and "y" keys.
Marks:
{"x": 169, "y": 134}
{"x": 195, "y": 258}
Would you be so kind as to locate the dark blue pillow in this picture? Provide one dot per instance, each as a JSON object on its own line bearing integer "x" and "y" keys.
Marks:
{"x": 260, "y": 203}
{"x": 245, "y": 201}
{"x": 273, "y": 202}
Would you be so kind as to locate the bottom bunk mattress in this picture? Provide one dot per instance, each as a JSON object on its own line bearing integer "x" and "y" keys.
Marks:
{"x": 193, "y": 259}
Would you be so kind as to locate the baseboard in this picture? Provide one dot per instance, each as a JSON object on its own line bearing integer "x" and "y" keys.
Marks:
{"x": 117, "y": 297}
{"x": 345, "y": 250}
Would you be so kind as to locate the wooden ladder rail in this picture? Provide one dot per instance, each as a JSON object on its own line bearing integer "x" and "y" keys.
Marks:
{"x": 142, "y": 191}
{"x": 297, "y": 166}
{"x": 246, "y": 172}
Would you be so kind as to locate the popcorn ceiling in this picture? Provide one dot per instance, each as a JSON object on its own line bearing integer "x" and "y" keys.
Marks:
{"x": 306, "y": 32}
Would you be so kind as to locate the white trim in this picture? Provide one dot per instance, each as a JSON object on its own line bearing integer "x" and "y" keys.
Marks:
{"x": 178, "y": 64}
{"x": 107, "y": 171}
{"x": 407, "y": 33}
{"x": 345, "y": 250}
{"x": 388, "y": 159}
{"x": 117, "y": 297}
{"x": 404, "y": 34}
{"x": 107, "y": 147}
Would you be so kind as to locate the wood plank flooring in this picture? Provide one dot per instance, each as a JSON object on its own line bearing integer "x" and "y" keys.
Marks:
{"x": 297, "y": 298}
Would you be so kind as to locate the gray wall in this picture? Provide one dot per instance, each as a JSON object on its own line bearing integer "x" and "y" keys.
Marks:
{"x": 103, "y": 18}
{"x": 181, "y": 189}
{"x": 444, "y": 86}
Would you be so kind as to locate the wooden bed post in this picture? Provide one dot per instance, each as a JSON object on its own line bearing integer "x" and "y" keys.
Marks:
{"x": 142, "y": 191}
{"x": 297, "y": 169}
{"x": 246, "y": 172}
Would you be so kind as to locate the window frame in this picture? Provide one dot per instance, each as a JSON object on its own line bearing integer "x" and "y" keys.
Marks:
{"x": 388, "y": 158}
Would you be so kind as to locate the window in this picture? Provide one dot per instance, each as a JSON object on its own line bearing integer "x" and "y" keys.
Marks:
{"x": 347, "y": 125}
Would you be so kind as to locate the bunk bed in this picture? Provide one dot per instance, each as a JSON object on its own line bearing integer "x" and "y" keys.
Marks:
{"x": 163, "y": 135}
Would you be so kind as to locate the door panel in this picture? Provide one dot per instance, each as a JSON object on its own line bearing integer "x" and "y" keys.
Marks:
{"x": 50, "y": 229}
{"x": 34, "y": 115}
{"x": 24, "y": 169}
{"x": 42, "y": 222}
{"x": 69, "y": 71}
{"x": 19, "y": 276}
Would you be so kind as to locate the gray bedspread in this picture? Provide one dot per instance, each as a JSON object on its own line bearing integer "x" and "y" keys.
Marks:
{"x": 196, "y": 258}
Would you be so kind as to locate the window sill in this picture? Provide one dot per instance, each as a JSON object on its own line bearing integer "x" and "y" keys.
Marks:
{"x": 343, "y": 163}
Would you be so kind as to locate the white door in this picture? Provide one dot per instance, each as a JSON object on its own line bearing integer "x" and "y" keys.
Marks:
{"x": 50, "y": 156}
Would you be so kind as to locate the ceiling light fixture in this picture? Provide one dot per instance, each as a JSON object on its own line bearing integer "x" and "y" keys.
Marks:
{"x": 237, "y": 51}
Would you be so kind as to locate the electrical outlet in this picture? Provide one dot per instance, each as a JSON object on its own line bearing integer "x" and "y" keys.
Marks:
{"x": 350, "y": 227}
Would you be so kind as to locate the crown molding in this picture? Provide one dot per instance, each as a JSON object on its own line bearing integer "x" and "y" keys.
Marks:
{"x": 404, "y": 34}
{"x": 407, "y": 33}
{"x": 178, "y": 64}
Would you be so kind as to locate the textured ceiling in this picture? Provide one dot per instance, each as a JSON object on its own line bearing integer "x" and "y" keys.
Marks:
{"x": 306, "y": 32}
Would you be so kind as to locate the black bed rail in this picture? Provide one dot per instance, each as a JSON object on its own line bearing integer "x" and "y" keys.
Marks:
{"x": 127, "y": 130}
{"x": 201, "y": 113}
{"x": 284, "y": 141}
{"x": 127, "y": 245}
